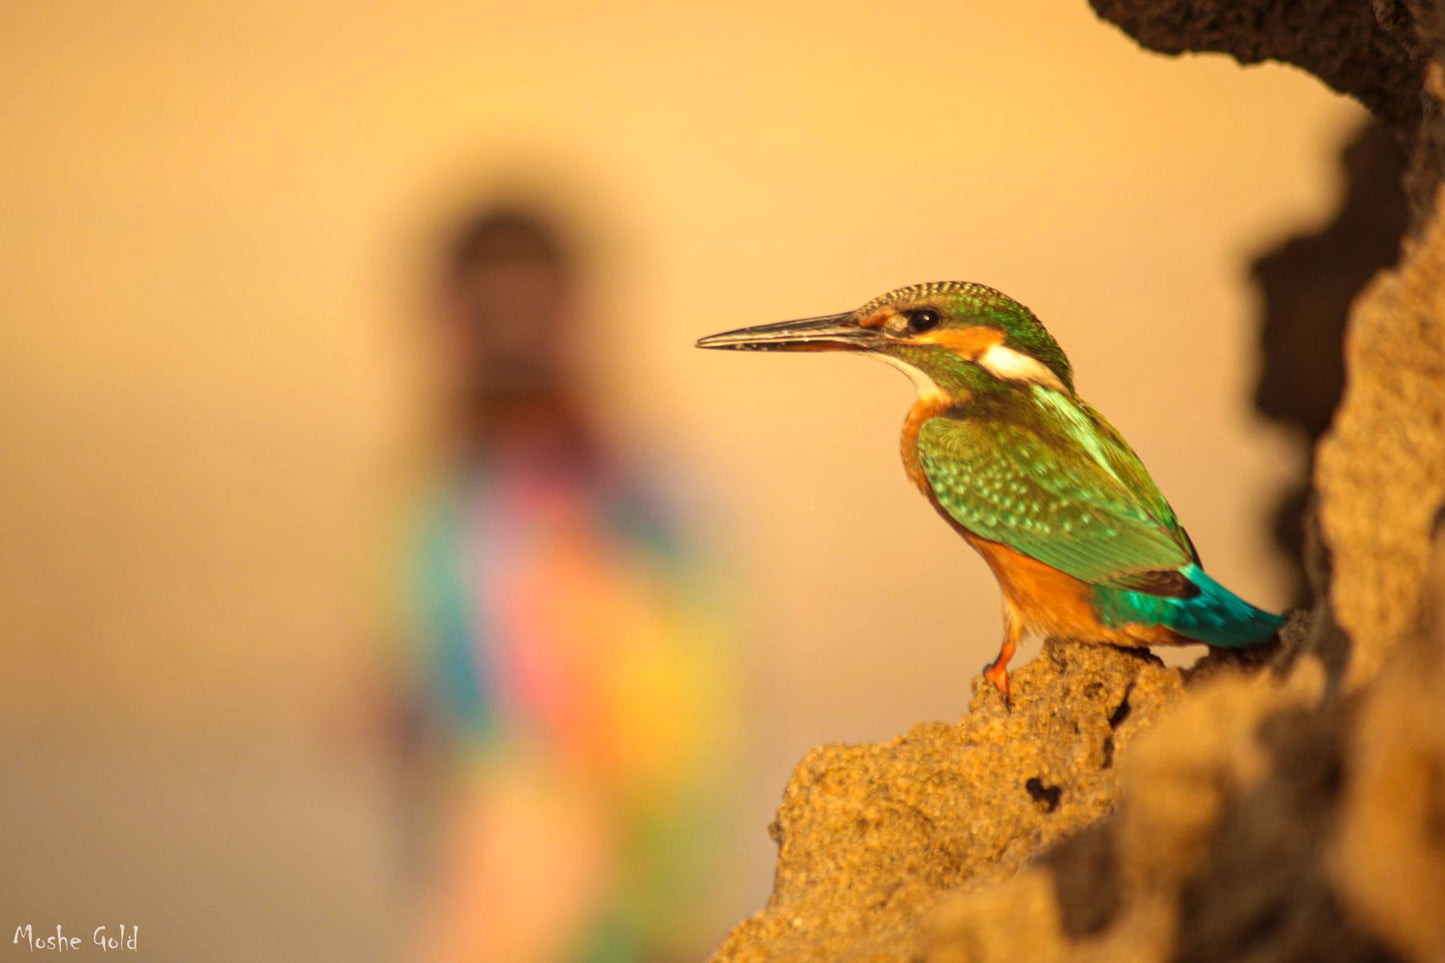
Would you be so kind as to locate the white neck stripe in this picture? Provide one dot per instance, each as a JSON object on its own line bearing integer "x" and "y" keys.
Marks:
{"x": 1006, "y": 364}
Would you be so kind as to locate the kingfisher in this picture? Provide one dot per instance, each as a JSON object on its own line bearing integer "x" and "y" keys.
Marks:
{"x": 1080, "y": 539}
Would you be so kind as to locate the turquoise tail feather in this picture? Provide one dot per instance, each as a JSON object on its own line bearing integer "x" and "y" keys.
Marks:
{"x": 1216, "y": 616}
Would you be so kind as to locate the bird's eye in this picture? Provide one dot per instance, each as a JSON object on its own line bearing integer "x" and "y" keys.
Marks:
{"x": 922, "y": 319}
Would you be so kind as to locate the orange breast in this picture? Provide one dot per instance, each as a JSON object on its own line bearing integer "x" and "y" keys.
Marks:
{"x": 1053, "y": 604}
{"x": 926, "y": 407}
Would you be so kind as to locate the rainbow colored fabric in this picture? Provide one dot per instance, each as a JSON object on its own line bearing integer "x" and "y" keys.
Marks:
{"x": 561, "y": 619}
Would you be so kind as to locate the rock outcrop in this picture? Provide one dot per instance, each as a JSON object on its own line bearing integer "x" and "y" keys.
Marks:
{"x": 872, "y": 837}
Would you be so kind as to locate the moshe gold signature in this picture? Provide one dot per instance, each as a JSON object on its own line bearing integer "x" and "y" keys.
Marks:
{"x": 123, "y": 938}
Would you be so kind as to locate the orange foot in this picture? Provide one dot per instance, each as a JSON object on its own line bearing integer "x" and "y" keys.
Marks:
{"x": 996, "y": 672}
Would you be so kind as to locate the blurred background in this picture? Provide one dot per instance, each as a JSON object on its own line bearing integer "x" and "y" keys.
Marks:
{"x": 220, "y": 390}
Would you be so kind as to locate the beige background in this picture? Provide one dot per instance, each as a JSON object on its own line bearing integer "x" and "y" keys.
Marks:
{"x": 212, "y": 382}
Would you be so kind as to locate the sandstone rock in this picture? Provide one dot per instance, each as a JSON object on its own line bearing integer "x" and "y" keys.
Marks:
{"x": 869, "y": 837}
{"x": 1388, "y": 859}
{"x": 1381, "y": 470}
{"x": 1367, "y": 50}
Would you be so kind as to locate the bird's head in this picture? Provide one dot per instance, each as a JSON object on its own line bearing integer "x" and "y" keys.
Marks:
{"x": 950, "y": 335}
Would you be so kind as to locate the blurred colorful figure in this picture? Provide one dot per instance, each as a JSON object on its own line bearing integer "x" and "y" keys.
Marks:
{"x": 566, "y": 668}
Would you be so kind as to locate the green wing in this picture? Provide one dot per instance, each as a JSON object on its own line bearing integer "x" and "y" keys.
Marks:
{"x": 1122, "y": 460}
{"x": 1060, "y": 499}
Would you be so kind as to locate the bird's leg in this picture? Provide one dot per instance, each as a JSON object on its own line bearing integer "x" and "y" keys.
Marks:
{"x": 997, "y": 670}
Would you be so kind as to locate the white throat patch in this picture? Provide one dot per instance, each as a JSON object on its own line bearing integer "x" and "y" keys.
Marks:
{"x": 925, "y": 385}
{"x": 1006, "y": 364}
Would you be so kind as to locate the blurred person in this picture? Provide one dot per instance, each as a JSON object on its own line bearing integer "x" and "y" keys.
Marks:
{"x": 564, "y": 677}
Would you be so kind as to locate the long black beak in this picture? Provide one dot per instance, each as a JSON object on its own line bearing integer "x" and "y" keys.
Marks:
{"x": 836, "y": 332}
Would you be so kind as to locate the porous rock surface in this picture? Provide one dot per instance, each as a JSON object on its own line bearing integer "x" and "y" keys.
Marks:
{"x": 870, "y": 837}
{"x": 1365, "y": 49}
{"x": 1289, "y": 809}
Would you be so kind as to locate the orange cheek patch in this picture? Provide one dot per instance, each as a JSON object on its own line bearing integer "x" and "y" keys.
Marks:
{"x": 968, "y": 342}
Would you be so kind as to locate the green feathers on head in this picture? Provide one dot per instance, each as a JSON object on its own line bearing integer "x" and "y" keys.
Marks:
{"x": 985, "y": 306}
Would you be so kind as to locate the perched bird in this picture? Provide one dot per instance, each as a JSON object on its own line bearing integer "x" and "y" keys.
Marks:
{"x": 1081, "y": 541}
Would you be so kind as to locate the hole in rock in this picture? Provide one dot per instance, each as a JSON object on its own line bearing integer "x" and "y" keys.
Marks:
{"x": 1048, "y": 795}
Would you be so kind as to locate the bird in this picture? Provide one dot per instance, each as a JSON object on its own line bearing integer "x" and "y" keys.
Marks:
{"x": 1082, "y": 543}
